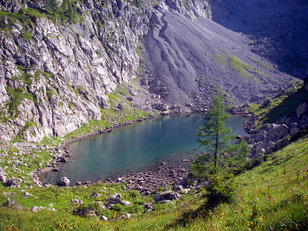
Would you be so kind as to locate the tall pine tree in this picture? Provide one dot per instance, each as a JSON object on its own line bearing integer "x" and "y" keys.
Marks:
{"x": 216, "y": 138}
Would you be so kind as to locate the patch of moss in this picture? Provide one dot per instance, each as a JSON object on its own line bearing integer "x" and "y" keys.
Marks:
{"x": 243, "y": 69}
{"x": 17, "y": 96}
{"x": 280, "y": 105}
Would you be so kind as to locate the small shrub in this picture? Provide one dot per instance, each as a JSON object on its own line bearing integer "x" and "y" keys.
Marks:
{"x": 140, "y": 201}
{"x": 220, "y": 190}
{"x": 134, "y": 194}
{"x": 134, "y": 209}
{"x": 118, "y": 207}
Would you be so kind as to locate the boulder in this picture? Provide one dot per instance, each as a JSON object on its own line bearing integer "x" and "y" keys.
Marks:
{"x": 160, "y": 107}
{"x": 95, "y": 194}
{"x": 2, "y": 177}
{"x": 293, "y": 131}
{"x": 165, "y": 201}
{"x": 126, "y": 203}
{"x": 76, "y": 201}
{"x": 178, "y": 188}
{"x": 12, "y": 183}
{"x": 103, "y": 218}
{"x": 120, "y": 106}
{"x": 78, "y": 183}
{"x": 37, "y": 209}
{"x": 147, "y": 206}
{"x": 124, "y": 216}
{"x": 301, "y": 109}
{"x": 278, "y": 131}
{"x": 64, "y": 182}
{"x": 260, "y": 136}
{"x": 85, "y": 212}
{"x": 114, "y": 199}
{"x": 26, "y": 194}
{"x": 133, "y": 92}
{"x": 168, "y": 195}
{"x": 279, "y": 145}
{"x": 9, "y": 203}
{"x": 100, "y": 204}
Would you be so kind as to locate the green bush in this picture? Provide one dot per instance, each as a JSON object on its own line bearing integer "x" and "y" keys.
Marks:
{"x": 221, "y": 189}
{"x": 132, "y": 209}
{"x": 118, "y": 207}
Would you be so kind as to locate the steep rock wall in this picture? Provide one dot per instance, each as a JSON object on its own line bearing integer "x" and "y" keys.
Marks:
{"x": 57, "y": 67}
{"x": 55, "y": 76}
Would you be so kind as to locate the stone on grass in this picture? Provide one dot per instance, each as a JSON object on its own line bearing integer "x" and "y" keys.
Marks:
{"x": 12, "y": 183}
{"x": 95, "y": 194}
{"x": 168, "y": 195}
{"x": 9, "y": 203}
{"x": 64, "y": 182}
{"x": 2, "y": 177}
{"x": 26, "y": 194}
{"x": 37, "y": 209}
{"x": 124, "y": 216}
{"x": 103, "y": 218}
{"x": 76, "y": 201}
{"x": 126, "y": 203}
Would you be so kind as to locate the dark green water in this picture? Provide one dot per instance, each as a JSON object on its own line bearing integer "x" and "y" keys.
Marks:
{"x": 135, "y": 147}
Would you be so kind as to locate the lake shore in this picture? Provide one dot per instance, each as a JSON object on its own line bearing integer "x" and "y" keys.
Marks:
{"x": 151, "y": 177}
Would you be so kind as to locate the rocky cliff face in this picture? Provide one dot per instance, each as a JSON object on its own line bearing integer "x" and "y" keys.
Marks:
{"x": 55, "y": 75}
{"x": 61, "y": 58}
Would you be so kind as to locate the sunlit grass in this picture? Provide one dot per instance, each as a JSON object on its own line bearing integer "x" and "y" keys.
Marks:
{"x": 272, "y": 196}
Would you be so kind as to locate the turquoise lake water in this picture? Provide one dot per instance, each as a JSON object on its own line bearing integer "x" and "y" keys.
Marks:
{"x": 134, "y": 148}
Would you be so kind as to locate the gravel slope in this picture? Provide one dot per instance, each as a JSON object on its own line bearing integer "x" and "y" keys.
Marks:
{"x": 185, "y": 61}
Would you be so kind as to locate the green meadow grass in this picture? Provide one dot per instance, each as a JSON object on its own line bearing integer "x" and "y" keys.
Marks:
{"x": 272, "y": 196}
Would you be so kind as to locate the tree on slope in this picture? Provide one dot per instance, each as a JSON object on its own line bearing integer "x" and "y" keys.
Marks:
{"x": 218, "y": 141}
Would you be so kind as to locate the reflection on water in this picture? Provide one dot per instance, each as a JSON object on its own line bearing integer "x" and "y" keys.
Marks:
{"x": 134, "y": 147}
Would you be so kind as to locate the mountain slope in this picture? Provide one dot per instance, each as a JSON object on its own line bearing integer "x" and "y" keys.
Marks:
{"x": 186, "y": 60}
{"x": 61, "y": 60}
{"x": 277, "y": 29}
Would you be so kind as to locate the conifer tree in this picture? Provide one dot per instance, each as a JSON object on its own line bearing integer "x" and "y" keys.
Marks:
{"x": 218, "y": 141}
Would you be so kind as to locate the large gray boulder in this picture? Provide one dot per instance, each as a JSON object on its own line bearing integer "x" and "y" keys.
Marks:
{"x": 168, "y": 195}
{"x": 12, "y": 183}
{"x": 64, "y": 182}
{"x": 301, "y": 109}
{"x": 116, "y": 199}
{"x": 278, "y": 131}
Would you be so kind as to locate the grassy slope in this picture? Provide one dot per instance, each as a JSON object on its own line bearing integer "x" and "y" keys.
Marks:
{"x": 279, "y": 105}
{"x": 271, "y": 196}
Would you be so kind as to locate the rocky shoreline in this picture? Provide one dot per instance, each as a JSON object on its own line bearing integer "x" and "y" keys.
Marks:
{"x": 176, "y": 172}
{"x": 167, "y": 173}
{"x": 63, "y": 153}
{"x": 145, "y": 180}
